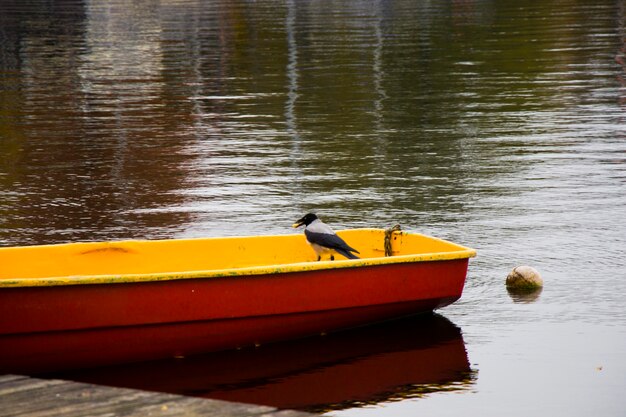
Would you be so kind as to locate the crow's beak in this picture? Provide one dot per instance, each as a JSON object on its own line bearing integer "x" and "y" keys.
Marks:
{"x": 297, "y": 224}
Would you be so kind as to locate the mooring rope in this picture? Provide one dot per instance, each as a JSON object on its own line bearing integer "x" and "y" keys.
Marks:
{"x": 388, "y": 234}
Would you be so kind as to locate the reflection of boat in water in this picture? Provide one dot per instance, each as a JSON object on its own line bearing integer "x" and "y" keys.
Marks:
{"x": 384, "y": 362}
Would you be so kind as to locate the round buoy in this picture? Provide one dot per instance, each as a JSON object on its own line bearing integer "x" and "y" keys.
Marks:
{"x": 524, "y": 278}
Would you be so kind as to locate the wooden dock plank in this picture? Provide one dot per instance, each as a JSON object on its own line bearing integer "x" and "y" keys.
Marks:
{"x": 24, "y": 396}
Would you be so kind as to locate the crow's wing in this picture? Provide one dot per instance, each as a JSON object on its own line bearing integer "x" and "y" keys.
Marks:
{"x": 328, "y": 240}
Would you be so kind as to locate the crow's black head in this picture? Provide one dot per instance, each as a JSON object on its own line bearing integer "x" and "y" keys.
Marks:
{"x": 306, "y": 220}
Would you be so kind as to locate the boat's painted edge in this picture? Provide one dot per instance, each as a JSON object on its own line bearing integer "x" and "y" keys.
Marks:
{"x": 462, "y": 253}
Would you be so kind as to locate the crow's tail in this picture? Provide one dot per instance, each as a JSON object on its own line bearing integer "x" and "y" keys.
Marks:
{"x": 347, "y": 254}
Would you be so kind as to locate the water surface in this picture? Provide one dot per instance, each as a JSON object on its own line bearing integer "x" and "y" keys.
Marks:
{"x": 498, "y": 125}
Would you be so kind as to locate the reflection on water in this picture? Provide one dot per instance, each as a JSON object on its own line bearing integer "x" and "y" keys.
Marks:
{"x": 159, "y": 119}
{"x": 499, "y": 125}
{"x": 387, "y": 362}
{"x": 524, "y": 296}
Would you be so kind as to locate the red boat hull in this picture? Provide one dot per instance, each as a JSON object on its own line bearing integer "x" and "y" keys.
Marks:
{"x": 52, "y": 328}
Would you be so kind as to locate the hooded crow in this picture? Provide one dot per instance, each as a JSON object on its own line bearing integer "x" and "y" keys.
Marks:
{"x": 323, "y": 239}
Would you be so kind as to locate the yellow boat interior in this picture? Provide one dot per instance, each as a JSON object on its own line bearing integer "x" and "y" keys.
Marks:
{"x": 150, "y": 260}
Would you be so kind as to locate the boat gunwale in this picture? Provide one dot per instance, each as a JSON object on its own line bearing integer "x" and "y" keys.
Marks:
{"x": 307, "y": 266}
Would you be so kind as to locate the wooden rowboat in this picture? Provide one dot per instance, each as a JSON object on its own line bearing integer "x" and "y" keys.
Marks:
{"x": 88, "y": 304}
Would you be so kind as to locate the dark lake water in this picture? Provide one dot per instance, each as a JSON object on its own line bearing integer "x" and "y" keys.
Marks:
{"x": 500, "y": 125}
